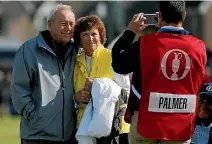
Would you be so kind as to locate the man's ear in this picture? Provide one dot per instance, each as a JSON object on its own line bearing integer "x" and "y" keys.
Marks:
{"x": 184, "y": 16}
{"x": 49, "y": 25}
{"x": 160, "y": 17}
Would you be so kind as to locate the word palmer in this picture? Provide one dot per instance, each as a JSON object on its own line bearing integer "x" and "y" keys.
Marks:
{"x": 172, "y": 103}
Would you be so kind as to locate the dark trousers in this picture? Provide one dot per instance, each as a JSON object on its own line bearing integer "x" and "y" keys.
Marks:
{"x": 46, "y": 142}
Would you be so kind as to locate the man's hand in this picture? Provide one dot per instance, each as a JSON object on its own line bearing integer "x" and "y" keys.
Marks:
{"x": 137, "y": 23}
{"x": 82, "y": 96}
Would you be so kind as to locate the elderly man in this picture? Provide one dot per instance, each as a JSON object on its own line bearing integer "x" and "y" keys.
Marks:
{"x": 41, "y": 87}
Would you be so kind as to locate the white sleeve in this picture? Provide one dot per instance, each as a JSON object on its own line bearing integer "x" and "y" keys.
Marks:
{"x": 123, "y": 81}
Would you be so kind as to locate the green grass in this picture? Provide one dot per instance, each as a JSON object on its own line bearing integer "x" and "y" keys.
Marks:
{"x": 9, "y": 130}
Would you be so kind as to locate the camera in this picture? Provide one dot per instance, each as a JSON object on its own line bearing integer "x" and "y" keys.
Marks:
{"x": 151, "y": 19}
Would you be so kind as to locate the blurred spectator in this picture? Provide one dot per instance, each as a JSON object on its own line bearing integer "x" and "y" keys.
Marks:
{"x": 5, "y": 85}
{"x": 2, "y": 78}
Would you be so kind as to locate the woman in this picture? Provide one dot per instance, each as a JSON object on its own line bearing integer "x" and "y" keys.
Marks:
{"x": 93, "y": 61}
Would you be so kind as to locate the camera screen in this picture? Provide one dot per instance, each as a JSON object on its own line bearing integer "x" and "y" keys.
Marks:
{"x": 151, "y": 19}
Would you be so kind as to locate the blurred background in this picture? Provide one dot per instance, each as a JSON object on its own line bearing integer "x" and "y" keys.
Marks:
{"x": 22, "y": 20}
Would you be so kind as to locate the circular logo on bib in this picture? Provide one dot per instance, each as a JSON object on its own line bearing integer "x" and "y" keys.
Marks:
{"x": 179, "y": 61}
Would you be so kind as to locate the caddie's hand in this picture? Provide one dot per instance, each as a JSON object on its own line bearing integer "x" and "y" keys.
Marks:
{"x": 137, "y": 23}
{"x": 82, "y": 96}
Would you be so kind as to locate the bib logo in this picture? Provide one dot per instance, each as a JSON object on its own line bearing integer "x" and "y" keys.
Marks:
{"x": 176, "y": 63}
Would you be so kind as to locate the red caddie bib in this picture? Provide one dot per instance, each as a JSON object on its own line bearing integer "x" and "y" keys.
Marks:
{"x": 173, "y": 69}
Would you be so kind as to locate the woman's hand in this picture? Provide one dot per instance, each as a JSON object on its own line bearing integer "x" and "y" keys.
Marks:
{"x": 82, "y": 96}
{"x": 88, "y": 84}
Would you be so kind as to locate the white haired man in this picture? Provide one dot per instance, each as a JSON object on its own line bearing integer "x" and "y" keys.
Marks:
{"x": 41, "y": 87}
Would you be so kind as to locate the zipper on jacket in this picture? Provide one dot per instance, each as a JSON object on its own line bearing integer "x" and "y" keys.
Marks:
{"x": 63, "y": 98}
{"x": 63, "y": 94}
{"x": 62, "y": 86}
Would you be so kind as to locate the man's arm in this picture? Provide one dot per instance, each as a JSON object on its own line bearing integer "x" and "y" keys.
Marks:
{"x": 20, "y": 89}
{"x": 125, "y": 55}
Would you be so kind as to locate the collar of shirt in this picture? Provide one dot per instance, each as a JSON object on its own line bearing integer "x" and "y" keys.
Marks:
{"x": 170, "y": 28}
